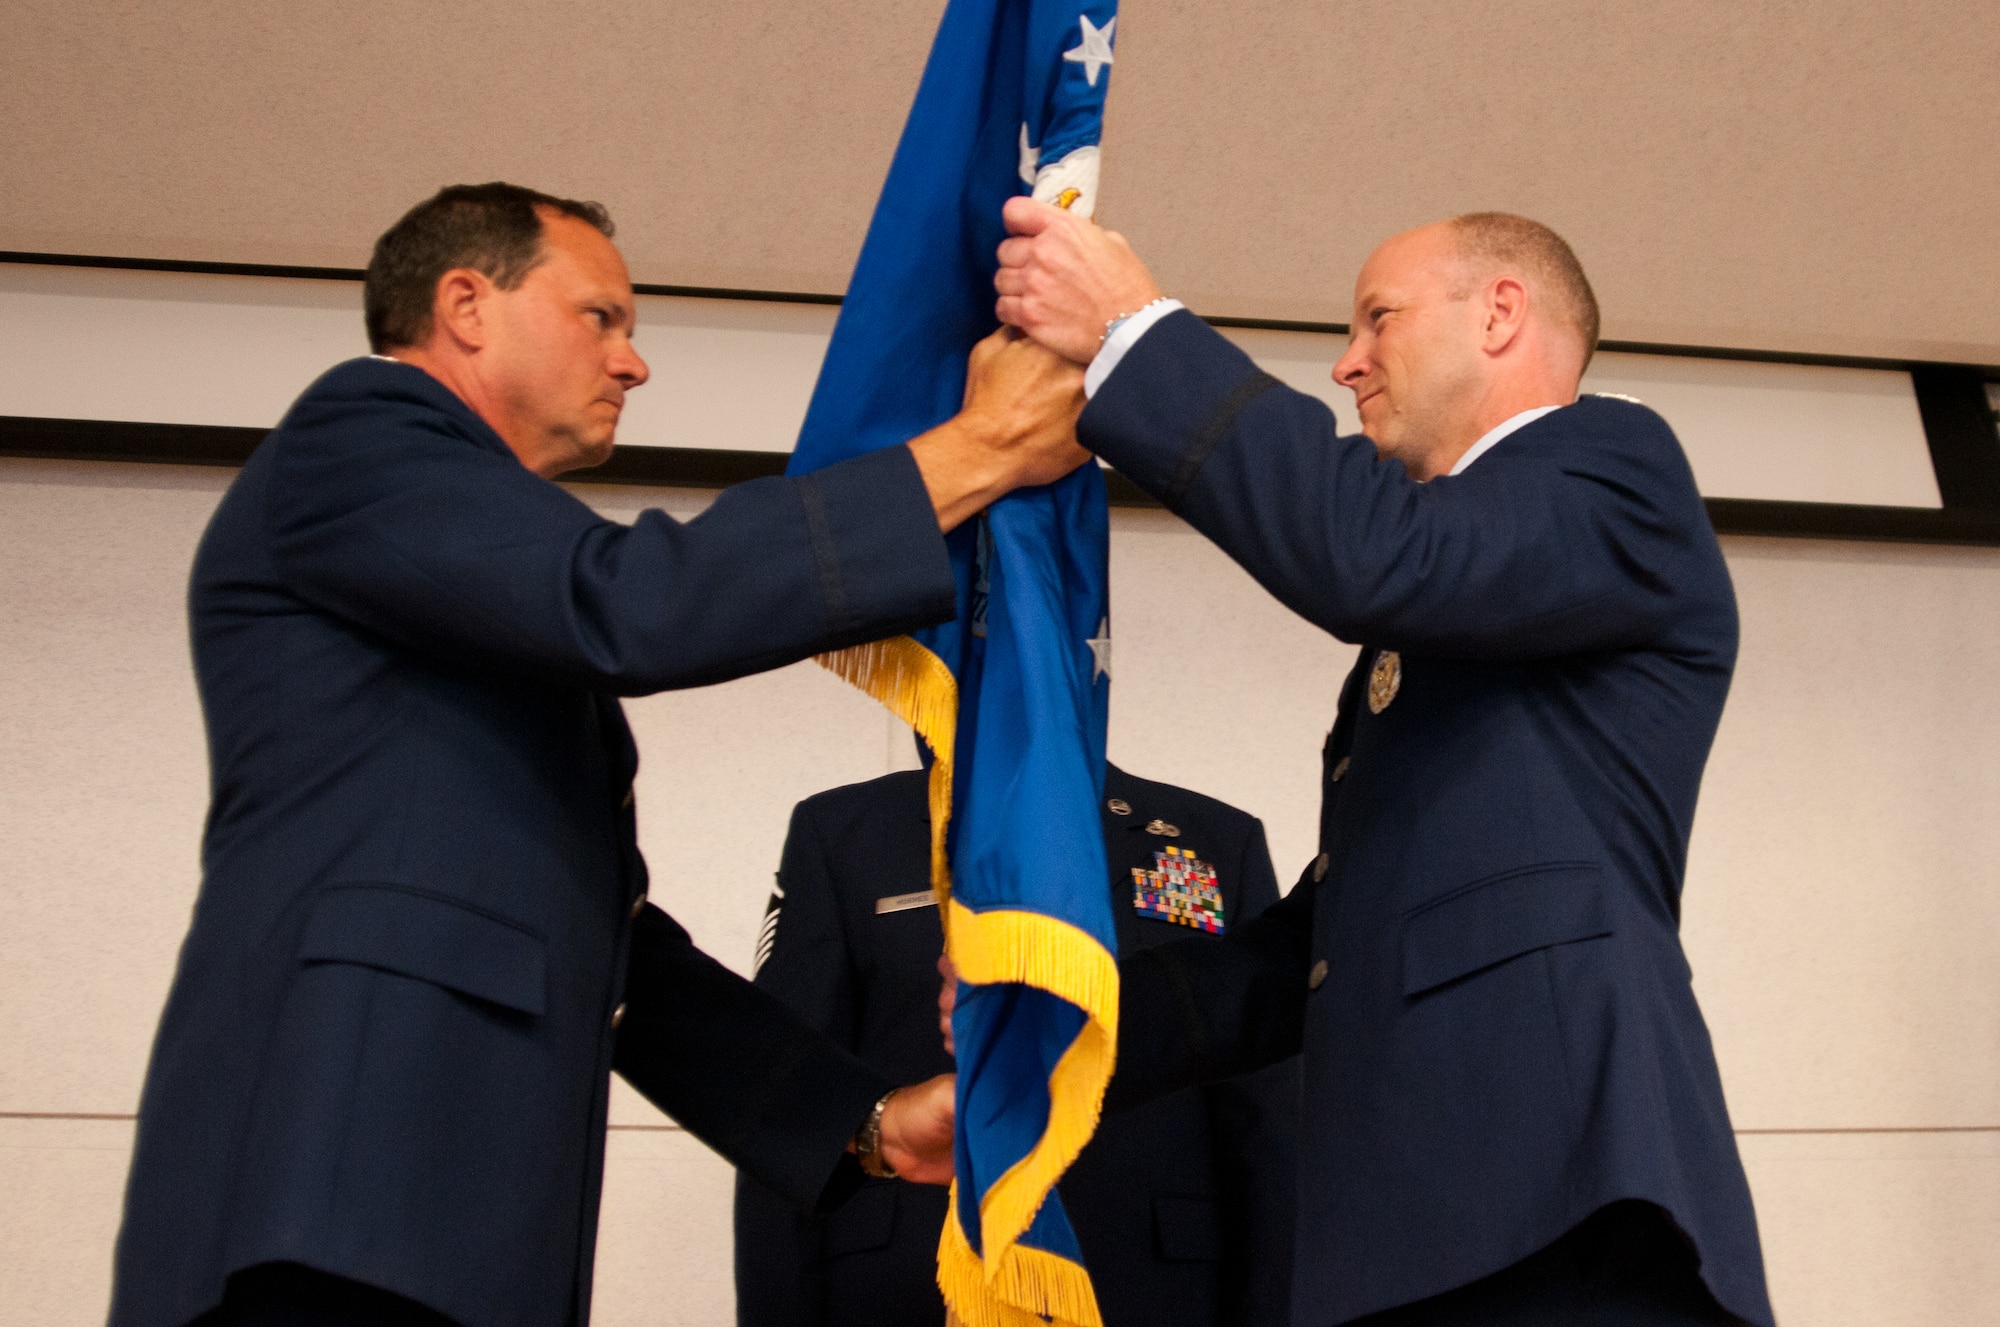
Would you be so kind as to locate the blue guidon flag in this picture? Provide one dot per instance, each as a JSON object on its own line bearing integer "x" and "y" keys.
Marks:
{"x": 1010, "y": 698}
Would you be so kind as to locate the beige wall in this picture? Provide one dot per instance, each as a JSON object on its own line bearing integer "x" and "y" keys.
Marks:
{"x": 1842, "y": 915}
{"x": 1805, "y": 177}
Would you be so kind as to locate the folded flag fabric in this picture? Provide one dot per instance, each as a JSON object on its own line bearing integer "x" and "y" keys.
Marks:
{"x": 1009, "y": 698}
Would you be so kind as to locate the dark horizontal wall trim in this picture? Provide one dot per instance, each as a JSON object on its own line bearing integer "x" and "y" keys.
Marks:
{"x": 726, "y": 292}
{"x": 216, "y": 444}
{"x": 698, "y": 467}
{"x": 1653, "y": 348}
{"x": 181, "y": 265}
{"x": 357, "y": 274}
{"x": 820, "y": 297}
{"x": 1835, "y": 520}
{"x": 123, "y": 440}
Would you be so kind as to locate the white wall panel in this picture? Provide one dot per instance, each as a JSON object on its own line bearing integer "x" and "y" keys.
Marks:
{"x": 1787, "y": 432}
{"x": 103, "y": 776}
{"x": 1790, "y": 432}
{"x": 62, "y": 1186}
{"x": 1843, "y": 897}
{"x": 1879, "y": 1229}
{"x": 181, "y": 348}
{"x": 88, "y": 343}
{"x": 168, "y": 347}
{"x": 664, "y": 1245}
{"x": 736, "y": 374}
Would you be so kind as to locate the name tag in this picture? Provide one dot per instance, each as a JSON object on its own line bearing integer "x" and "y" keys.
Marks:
{"x": 923, "y": 898}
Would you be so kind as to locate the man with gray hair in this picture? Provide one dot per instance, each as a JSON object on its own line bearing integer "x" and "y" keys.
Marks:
{"x": 1512, "y": 1113}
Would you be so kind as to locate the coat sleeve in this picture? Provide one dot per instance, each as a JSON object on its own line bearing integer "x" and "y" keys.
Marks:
{"x": 1254, "y": 1122}
{"x": 387, "y": 511}
{"x": 779, "y": 1277}
{"x": 1522, "y": 560}
{"x": 740, "y": 1070}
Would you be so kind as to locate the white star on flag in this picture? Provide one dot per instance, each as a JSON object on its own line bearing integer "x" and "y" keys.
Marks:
{"x": 1100, "y": 651}
{"x": 1095, "y": 53}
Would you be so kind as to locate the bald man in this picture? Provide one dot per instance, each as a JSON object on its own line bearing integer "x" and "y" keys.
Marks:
{"x": 1512, "y": 1113}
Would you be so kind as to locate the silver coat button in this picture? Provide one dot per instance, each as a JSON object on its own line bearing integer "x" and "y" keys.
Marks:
{"x": 1340, "y": 770}
{"x": 1316, "y": 978}
{"x": 638, "y": 905}
{"x": 627, "y": 803}
{"x": 1319, "y": 868}
{"x": 618, "y": 1014}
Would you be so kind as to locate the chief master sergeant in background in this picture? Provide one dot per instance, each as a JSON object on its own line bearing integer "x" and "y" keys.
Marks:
{"x": 1512, "y": 1113}
{"x": 378, "y": 1090}
{"x": 1184, "y": 1209}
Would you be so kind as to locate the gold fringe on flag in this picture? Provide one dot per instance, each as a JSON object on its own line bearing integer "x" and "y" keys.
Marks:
{"x": 1013, "y": 1285}
{"x": 1032, "y": 949}
{"x": 1024, "y": 1287}
{"x": 916, "y": 686}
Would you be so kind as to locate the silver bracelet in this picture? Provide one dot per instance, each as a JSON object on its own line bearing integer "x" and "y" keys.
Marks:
{"x": 1112, "y": 325}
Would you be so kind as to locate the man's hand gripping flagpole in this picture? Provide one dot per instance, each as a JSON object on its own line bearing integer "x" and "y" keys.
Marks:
{"x": 1064, "y": 279}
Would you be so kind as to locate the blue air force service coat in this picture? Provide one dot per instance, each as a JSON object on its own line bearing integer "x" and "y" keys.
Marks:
{"x": 386, "y": 1048}
{"x": 1183, "y": 1210}
{"x": 1483, "y": 966}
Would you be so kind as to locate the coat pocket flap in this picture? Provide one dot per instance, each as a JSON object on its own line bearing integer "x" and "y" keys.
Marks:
{"x": 430, "y": 938}
{"x": 1500, "y": 918}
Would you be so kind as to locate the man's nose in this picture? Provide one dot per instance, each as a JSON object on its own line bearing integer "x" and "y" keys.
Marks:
{"x": 1351, "y": 367}
{"x": 627, "y": 367}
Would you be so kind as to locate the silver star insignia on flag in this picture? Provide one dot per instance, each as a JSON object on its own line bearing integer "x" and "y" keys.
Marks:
{"x": 1095, "y": 53}
{"x": 1100, "y": 651}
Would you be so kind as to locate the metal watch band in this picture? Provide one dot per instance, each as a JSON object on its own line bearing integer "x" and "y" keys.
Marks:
{"x": 1113, "y": 325}
{"x": 868, "y": 1142}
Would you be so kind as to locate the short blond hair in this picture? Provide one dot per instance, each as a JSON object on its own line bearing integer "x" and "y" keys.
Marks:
{"x": 1501, "y": 239}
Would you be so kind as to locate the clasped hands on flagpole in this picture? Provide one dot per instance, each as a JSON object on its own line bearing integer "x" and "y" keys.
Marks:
{"x": 1017, "y": 428}
{"x": 1064, "y": 279}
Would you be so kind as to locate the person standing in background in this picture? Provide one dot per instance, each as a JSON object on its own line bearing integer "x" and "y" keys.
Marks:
{"x": 1183, "y": 1210}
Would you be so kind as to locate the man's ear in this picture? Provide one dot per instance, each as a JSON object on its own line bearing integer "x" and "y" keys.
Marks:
{"x": 458, "y": 308}
{"x": 1506, "y": 312}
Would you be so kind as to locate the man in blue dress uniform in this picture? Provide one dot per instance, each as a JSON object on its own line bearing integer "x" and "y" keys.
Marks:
{"x": 1184, "y": 1210}
{"x": 378, "y": 1090}
{"x": 1512, "y": 1112}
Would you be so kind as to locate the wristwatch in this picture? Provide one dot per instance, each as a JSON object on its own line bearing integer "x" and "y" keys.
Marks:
{"x": 868, "y": 1142}
{"x": 1112, "y": 325}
